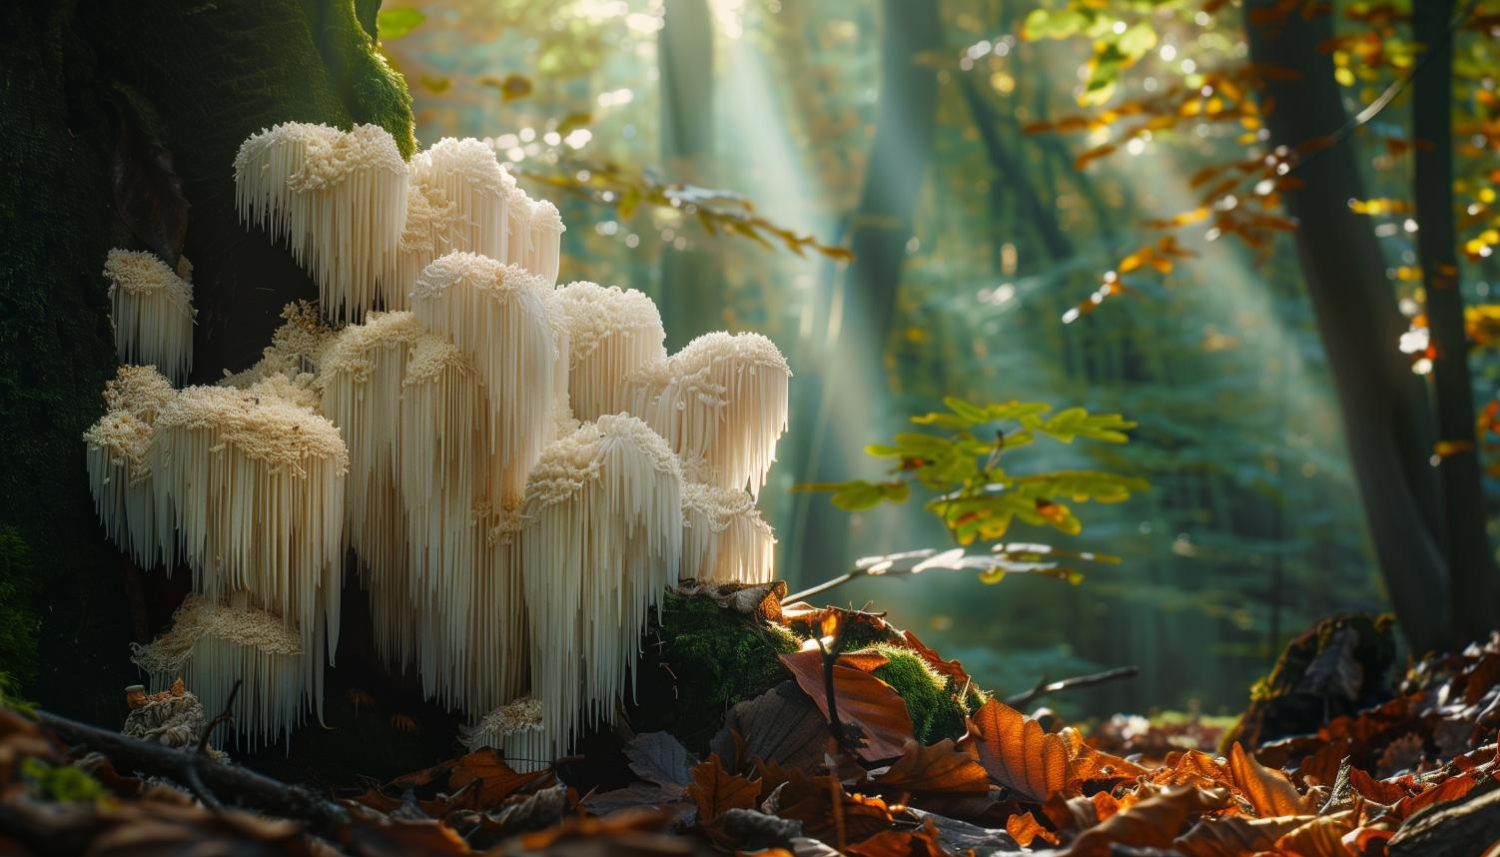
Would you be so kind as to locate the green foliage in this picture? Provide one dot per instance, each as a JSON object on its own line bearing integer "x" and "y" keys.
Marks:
{"x": 392, "y": 24}
{"x": 19, "y": 622}
{"x": 1118, "y": 43}
{"x": 977, "y": 498}
{"x": 63, "y": 784}
{"x": 10, "y": 697}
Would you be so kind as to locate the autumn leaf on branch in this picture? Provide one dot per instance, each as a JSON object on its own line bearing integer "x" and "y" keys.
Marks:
{"x": 717, "y": 211}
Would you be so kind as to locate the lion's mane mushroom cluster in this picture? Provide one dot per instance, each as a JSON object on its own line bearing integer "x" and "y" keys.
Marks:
{"x": 521, "y": 468}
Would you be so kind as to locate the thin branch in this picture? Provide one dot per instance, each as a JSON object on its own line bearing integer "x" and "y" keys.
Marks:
{"x": 930, "y": 559}
{"x": 1090, "y": 680}
{"x": 221, "y": 782}
{"x": 1391, "y": 93}
{"x": 824, "y": 586}
{"x": 225, "y": 716}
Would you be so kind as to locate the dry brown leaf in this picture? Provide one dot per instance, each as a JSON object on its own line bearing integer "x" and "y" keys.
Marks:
{"x": 1450, "y": 789}
{"x": 1196, "y": 768}
{"x": 922, "y": 842}
{"x": 481, "y": 780}
{"x": 716, "y": 791}
{"x": 1153, "y": 823}
{"x": 948, "y": 669}
{"x": 1320, "y": 837}
{"x": 1018, "y": 754}
{"x": 1235, "y": 835}
{"x": 781, "y": 726}
{"x": 1379, "y": 791}
{"x": 810, "y": 800}
{"x": 1269, "y": 792}
{"x": 941, "y": 767}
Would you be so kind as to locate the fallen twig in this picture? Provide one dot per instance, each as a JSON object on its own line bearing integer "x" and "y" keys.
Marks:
{"x": 220, "y": 782}
{"x": 1043, "y": 688}
{"x": 225, "y": 716}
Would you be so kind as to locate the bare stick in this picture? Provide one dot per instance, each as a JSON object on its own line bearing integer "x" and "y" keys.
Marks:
{"x": 225, "y": 716}
{"x": 1090, "y": 680}
{"x": 198, "y": 772}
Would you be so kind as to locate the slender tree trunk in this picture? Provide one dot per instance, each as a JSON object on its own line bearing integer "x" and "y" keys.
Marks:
{"x": 1383, "y": 405}
{"x": 1471, "y": 559}
{"x": 853, "y": 390}
{"x": 692, "y": 292}
{"x": 1011, "y": 173}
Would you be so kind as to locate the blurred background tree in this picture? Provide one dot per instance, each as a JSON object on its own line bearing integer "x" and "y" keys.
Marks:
{"x": 1064, "y": 202}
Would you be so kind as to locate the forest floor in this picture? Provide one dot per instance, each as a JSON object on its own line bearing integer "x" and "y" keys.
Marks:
{"x": 867, "y": 743}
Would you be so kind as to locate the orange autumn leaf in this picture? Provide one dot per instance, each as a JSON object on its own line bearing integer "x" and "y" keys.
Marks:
{"x": 810, "y": 800}
{"x": 1087, "y": 764}
{"x": 941, "y": 767}
{"x": 1269, "y": 792}
{"x": 1025, "y": 829}
{"x": 1093, "y": 154}
{"x": 948, "y": 669}
{"x": 1235, "y": 835}
{"x": 861, "y": 698}
{"x": 1379, "y": 791}
{"x": 1018, "y": 754}
{"x": 716, "y": 791}
{"x": 1320, "y": 837}
{"x": 477, "y": 781}
{"x": 1450, "y": 789}
{"x": 922, "y": 842}
{"x": 1152, "y": 823}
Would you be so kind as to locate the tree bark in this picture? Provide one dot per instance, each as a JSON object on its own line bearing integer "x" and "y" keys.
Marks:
{"x": 1471, "y": 559}
{"x": 853, "y": 387}
{"x": 1386, "y": 422}
{"x": 202, "y": 78}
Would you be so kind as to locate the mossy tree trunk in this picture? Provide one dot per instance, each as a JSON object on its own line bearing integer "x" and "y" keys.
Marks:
{"x": 197, "y": 79}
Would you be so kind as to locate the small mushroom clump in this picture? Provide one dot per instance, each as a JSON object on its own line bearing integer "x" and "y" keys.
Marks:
{"x": 250, "y": 494}
{"x": 211, "y": 646}
{"x": 520, "y": 470}
{"x": 152, "y": 308}
{"x": 119, "y": 464}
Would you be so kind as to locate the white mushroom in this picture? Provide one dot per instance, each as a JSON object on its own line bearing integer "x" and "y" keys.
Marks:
{"x": 211, "y": 646}
{"x": 337, "y": 197}
{"x": 612, "y": 334}
{"x": 724, "y": 538}
{"x": 498, "y": 315}
{"x": 153, "y": 312}
{"x": 602, "y": 542}
{"x": 721, "y": 402}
